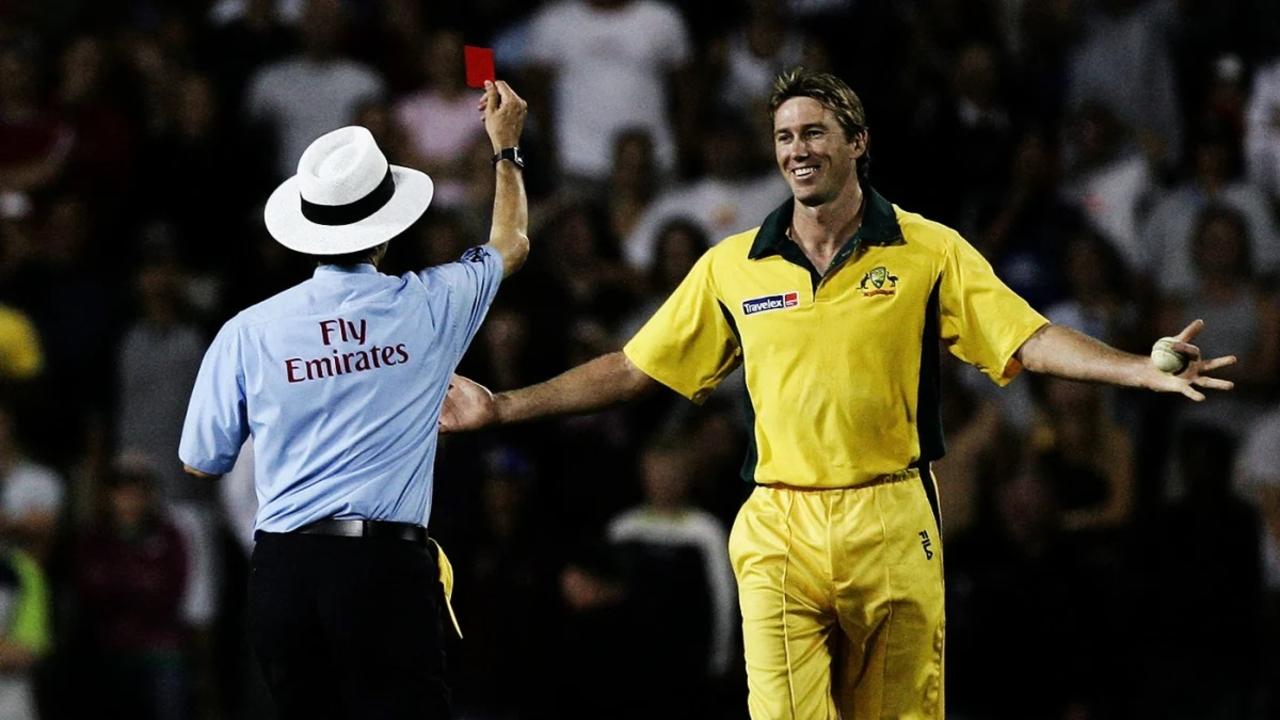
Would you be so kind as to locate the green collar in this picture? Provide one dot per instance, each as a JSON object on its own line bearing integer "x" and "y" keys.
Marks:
{"x": 879, "y": 227}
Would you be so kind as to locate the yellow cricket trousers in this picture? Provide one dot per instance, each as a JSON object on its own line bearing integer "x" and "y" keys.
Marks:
{"x": 842, "y": 601}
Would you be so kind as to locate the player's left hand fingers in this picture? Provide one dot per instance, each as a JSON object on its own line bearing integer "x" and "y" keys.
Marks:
{"x": 1213, "y": 383}
{"x": 1186, "y": 349}
{"x": 1214, "y": 364}
{"x": 1191, "y": 331}
{"x": 1192, "y": 393}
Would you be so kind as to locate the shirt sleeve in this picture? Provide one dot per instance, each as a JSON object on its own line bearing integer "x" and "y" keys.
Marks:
{"x": 689, "y": 345}
{"x": 217, "y": 421}
{"x": 471, "y": 284}
{"x": 983, "y": 322}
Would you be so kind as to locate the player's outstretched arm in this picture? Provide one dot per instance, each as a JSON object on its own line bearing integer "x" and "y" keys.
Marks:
{"x": 504, "y": 113}
{"x": 1061, "y": 351}
{"x": 607, "y": 380}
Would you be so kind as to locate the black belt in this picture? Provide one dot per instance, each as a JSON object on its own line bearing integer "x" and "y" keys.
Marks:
{"x": 367, "y": 529}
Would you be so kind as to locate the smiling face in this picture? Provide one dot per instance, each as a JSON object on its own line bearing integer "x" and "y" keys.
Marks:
{"x": 813, "y": 153}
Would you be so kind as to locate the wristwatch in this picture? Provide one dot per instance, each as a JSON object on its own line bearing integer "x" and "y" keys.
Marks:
{"x": 511, "y": 153}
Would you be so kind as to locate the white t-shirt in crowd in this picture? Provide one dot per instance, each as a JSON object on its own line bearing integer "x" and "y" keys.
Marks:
{"x": 305, "y": 98}
{"x": 29, "y": 487}
{"x": 1262, "y": 129}
{"x": 1258, "y": 467}
{"x": 611, "y": 67}
{"x": 720, "y": 207}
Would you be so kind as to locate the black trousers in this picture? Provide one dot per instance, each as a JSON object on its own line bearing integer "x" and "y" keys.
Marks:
{"x": 348, "y": 627}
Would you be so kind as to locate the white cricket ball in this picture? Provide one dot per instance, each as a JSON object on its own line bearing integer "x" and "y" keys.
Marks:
{"x": 1167, "y": 359}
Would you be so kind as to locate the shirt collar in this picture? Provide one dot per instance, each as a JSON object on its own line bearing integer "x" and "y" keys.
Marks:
{"x": 361, "y": 269}
{"x": 879, "y": 226}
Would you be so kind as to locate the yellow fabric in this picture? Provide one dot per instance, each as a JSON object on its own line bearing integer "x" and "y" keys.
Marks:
{"x": 20, "y": 355}
{"x": 834, "y": 372}
{"x": 842, "y": 602}
{"x": 446, "y": 581}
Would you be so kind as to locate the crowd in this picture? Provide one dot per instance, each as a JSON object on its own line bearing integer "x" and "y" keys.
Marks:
{"x": 1118, "y": 161}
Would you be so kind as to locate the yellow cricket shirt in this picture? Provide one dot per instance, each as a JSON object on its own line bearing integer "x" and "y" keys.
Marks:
{"x": 842, "y": 368}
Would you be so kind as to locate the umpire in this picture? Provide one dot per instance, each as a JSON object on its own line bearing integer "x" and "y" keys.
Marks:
{"x": 340, "y": 381}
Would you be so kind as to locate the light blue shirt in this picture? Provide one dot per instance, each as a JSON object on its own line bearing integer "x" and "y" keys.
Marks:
{"x": 340, "y": 381}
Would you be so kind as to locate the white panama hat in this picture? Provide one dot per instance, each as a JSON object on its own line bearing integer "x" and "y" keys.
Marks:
{"x": 345, "y": 197}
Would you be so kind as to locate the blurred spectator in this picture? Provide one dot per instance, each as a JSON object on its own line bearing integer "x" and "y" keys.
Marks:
{"x": 1029, "y": 226}
{"x": 1212, "y": 536}
{"x": 1240, "y": 318}
{"x": 440, "y": 119}
{"x": 1122, "y": 63}
{"x": 1109, "y": 183}
{"x": 592, "y": 619}
{"x": 1169, "y": 230}
{"x": 751, "y": 56}
{"x": 510, "y": 557}
{"x": 679, "y": 244}
{"x": 581, "y": 260}
{"x": 1101, "y": 297}
{"x": 195, "y": 145}
{"x": 307, "y": 95}
{"x": 1258, "y": 478}
{"x": 1088, "y": 458}
{"x": 20, "y": 355}
{"x": 975, "y": 426}
{"x": 74, "y": 304}
{"x": 92, "y": 93}
{"x": 633, "y": 180}
{"x": 680, "y": 587}
{"x": 610, "y": 66}
{"x": 131, "y": 568}
{"x": 393, "y": 40}
{"x": 1029, "y": 609}
{"x": 34, "y": 140}
{"x": 974, "y": 129}
{"x": 258, "y": 34}
{"x": 31, "y": 495}
{"x": 1225, "y": 101}
{"x": 159, "y": 357}
{"x": 1262, "y": 129}
{"x": 731, "y": 197}
{"x": 25, "y": 635}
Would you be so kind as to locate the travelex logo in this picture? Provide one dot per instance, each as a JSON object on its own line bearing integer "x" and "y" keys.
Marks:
{"x": 770, "y": 302}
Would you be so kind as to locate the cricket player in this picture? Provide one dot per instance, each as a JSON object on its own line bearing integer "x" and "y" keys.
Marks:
{"x": 836, "y": 306}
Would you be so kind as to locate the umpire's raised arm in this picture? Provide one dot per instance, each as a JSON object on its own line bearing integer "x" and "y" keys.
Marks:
{"x": 504, "y": 113}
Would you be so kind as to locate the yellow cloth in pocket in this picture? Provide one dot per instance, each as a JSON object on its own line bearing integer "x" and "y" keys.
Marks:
{"x": 446, "y": 581}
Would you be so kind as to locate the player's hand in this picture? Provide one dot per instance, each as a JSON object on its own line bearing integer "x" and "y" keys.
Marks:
{"x": 468, "y": 405}
{"x": 1197, "y": 373}
{"x": 504, "y": 113}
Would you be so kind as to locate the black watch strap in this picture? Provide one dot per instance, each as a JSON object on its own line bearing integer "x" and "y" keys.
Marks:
{"x": 510, "y": 153}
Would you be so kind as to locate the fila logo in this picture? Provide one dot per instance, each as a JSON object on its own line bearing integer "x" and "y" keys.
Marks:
{"x": 926, "y": 544}
{"x": 770, "y": 302}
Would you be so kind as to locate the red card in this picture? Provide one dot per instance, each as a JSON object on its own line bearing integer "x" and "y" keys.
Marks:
{"x": 479, "y": 65}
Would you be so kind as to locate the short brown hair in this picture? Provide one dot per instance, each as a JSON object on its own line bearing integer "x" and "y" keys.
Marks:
{"x": 833, "y": 94}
